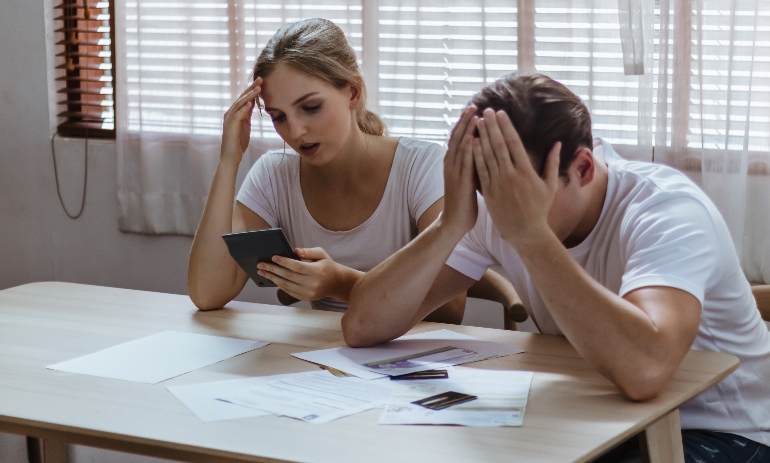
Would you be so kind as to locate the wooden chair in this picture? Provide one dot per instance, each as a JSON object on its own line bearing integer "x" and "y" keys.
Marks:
{"x": 497, "y": 288}
{"x": 492, "y": 287}
{"x": 762, "y": 296}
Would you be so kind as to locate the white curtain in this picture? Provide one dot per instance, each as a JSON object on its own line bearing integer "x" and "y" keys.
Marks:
{"x": 686, "y": 82}
{"x": 713, "y": 112}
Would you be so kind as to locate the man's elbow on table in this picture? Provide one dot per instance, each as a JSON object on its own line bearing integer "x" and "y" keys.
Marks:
{"x": 645, "y": 384}
{"x": 356, "y": 332}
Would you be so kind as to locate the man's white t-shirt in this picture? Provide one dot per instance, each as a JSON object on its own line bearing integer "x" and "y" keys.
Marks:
{"x": 657, "y": 228}
{"x": 272, "y": 190}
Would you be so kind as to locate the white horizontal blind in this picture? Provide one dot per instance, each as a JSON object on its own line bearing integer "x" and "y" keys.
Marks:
{"x": 577, "y": 42}
{"x": 187, "y": 61}
{"x": 262, "y": 19}
{"x": 730, "y": 76}
{"x": 178, "y": 66}
{"x": 434, "y": 54}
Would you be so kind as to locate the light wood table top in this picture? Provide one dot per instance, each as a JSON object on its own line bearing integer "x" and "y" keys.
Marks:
{"x": 573, "y": 414}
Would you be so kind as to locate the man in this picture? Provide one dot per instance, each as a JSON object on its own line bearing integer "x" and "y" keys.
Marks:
{"x": 630, "y": 261}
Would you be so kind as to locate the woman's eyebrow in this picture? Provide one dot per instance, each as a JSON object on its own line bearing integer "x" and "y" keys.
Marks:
{"x": 296, "y": 102}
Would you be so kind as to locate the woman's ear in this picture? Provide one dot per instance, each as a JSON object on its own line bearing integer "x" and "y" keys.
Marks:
{"x": 355, "y": 96}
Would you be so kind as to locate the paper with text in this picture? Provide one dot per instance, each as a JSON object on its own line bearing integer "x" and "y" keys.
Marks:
{"x": 202, "y": 400}
{"x": 408, "y": 354}
{"x": 316, "y": 397}
{"x": 502, "y": 399}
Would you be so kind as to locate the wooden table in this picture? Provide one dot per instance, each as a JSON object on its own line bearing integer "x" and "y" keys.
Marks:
{"x": 573, "y": 414}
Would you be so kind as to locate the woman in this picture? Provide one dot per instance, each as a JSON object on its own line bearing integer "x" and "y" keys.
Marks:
{"x": 346, "y": 195}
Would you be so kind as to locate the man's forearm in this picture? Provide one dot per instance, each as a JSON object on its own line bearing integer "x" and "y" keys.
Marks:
{"x": 387, "y": 301}
{"x": 625, "y": 343}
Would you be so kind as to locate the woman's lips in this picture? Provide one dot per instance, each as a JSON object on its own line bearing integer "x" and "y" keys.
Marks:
{"x": 309, "y": 149}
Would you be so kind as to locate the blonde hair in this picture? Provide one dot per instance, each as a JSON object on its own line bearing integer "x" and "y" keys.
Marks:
{"x": 319, "y": 48}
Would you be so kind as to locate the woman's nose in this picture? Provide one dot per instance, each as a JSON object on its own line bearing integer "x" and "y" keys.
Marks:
{"x": 297, "y": 129}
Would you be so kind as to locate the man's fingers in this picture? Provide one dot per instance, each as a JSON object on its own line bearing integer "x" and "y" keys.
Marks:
{"x": 496, "y": 140}
{"x": 464, "y": 147}
{"x": 487, "y": 150}
{"x": 480, "y": 162}
{"x": 512, "y": 140}
{"x": 551, "y": 171}
{"x": 460, "y": 128}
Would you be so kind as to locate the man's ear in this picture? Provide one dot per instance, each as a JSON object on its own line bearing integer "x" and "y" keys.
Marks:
{"x": 583, "y": 166}
{"x": 355, "y": 96}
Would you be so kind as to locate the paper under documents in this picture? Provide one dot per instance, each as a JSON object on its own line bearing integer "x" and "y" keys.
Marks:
{"x": 417, "y": 352}
{"x": 158, "y": 357}
{"x": 316, "y": 397}
{"x": 502, "y": 399}
{"x": 202, "y": 400}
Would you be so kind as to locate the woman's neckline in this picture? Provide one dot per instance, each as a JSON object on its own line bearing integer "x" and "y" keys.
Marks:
{"x": 388, "y": 187}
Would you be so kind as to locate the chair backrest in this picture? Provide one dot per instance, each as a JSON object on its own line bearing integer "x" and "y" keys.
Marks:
{"x": 762, "y": 296}
{"x": 497, "y": 288}
{"x": 492, "y": 287}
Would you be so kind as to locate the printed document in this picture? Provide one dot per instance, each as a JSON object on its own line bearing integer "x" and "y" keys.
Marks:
{"x": 158, "y": 357}
{"x": 202, "y": 400}
{"x": 502, "y": 399}
{"x": 316, "y": 397}
{"x": 408, "y": 354}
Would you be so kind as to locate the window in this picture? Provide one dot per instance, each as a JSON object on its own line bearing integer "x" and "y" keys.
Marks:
{"x": 84, "y": 60}
{"x": 186, "y": 61}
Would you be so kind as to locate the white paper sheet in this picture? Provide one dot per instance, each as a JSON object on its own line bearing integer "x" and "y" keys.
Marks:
{"x": 316, "y": 397}
{"x": 202, "y": 400}
{"x": 158, "y": 357}
{"x": 408, "y": 354}
{"x": 502, "y": 399}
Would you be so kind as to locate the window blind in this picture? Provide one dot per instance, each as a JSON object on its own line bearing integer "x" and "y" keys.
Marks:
{"x": 578, "y": 44}
{"x": 434, "y": 55}
{"x": 84, "y": 60}
{"x": 729, "y": 93}
{"x": 187, "y": 61}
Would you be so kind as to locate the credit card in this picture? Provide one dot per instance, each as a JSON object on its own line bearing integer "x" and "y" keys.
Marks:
{"x": 444, "y": 400}
{"x": 427, "y": 374}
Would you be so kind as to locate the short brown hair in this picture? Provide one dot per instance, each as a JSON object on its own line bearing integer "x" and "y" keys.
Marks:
{"x": 543, "y": 111}
{"x": 319, "y": 47}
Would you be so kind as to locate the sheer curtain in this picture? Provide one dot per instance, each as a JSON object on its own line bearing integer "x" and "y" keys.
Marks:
{"x": 713, "y": 112}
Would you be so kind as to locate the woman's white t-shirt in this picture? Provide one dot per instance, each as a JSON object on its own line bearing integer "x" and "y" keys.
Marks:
{"x": 658, "y": 229}
{"x": 272, "y": 190}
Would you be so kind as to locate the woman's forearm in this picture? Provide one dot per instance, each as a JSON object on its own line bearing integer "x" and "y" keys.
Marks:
{"x": 213, "y": 276}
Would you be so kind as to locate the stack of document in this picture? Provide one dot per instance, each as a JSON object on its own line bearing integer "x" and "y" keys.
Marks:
{"x": 319, "y": 396}
{"x": 315, "y": 397}
{"x": 409, "y": 354}
{"x": 502, "y": 399}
